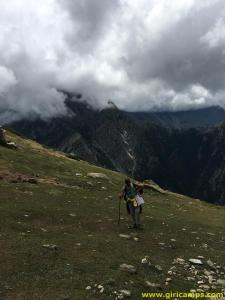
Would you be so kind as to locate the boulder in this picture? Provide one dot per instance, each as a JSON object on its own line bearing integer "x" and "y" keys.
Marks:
{"x": 98, "y": 175}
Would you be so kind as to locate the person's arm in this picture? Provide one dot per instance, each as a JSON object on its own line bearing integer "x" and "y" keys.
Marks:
{"x": 122, "y": 193}
{"x": 139, "y": 187}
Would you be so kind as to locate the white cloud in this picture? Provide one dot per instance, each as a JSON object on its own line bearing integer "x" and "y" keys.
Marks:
{"x": 142, "y": 54}
{"x": 7, "y": 80}
{"x": 216, "y": 36}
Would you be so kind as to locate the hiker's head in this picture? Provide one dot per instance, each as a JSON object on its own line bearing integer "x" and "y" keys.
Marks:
{"x": 128, "y": 181}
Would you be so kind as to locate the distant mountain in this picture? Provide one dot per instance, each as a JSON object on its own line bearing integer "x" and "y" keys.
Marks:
{"x": 204, "y": 117}
{"x": 188, "y": 161}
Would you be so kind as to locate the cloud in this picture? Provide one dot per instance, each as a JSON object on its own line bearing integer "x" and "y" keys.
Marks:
{"x": 142, "y": 54}
{"x": 7, "y": 79}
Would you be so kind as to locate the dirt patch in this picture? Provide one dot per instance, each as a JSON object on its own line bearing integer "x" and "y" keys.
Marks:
{"x": 55, "y": 154}
{"x": 17, "y": 177}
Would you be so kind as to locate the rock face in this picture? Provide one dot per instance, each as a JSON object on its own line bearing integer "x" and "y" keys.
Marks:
{"x": 187, "y": 161}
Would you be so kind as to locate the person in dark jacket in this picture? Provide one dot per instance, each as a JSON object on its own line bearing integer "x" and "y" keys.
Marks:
{"x": 130, "y": 193}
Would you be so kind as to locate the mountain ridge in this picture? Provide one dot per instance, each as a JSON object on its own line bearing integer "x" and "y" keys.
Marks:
{"x": 145, "y": 150}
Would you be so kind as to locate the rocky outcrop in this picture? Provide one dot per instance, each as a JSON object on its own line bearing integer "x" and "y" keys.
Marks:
{"x": 2, "y": 137}
{"x": 4, "y": 142}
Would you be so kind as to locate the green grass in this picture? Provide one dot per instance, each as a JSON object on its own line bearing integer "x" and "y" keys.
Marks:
{"x": 89, "y": 249}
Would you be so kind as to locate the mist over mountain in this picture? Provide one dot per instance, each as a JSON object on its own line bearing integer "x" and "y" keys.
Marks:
{"x": 205, "y": 117}
{"x": 183, "y": 159}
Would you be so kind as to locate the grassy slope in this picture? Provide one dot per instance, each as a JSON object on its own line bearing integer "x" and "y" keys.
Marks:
{"x": 89, "y": 247}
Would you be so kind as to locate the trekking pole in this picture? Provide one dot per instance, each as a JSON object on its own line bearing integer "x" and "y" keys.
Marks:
{"x": 119, "y": 211}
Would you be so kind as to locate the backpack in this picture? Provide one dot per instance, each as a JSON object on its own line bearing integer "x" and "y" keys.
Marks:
{"x": 130, "y": 191}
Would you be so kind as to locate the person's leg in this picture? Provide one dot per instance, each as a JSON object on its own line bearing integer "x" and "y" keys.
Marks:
{"x": 132, "y": 212}
{"x": 137, "y": 216}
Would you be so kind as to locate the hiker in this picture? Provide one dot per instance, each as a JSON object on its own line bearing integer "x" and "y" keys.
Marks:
{"x": 131, "y": 193}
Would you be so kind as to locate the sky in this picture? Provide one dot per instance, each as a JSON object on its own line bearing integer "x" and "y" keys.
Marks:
{"x": 144, "y": 55}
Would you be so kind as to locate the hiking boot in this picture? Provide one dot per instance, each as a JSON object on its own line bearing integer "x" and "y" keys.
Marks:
{"x": 132, "y": 226}
{"x": 140, "y": 227}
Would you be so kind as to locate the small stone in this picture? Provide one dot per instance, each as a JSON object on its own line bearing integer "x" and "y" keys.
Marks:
{"x": 144, "y": 261}
{"x": 210, "y": 279}
{"x": 88, "y": 288}
{"x": 158, "y": 268}
{"x": 126, "y": 293}
{"x": 128, "y": 268}
{"x": 205, "y": 287}
{"x": 210, "y": 264}
{"x": 153, "y": 285}
{"x": 78, "y": 174}
{"x": 221, "y": 282}
{"x": 204, "y": 246}
{"x": 179, "y": 261}
{"x": 200, "y": 282}
{"x": 50, "y": 246}
{"x": 161, "y": 244}
{"x": 190, "y": 279}
{"x": 100, "y": 286}
{"x": 125, "y": 236}
{"x": 195, "y": 261}
{"x": 168, "y": 279}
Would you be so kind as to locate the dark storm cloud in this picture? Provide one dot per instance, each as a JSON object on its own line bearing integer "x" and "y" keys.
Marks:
{"x": 142, "y": 54}
{"x": 182, "y": 56}
{"x": 91, "y": 20}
